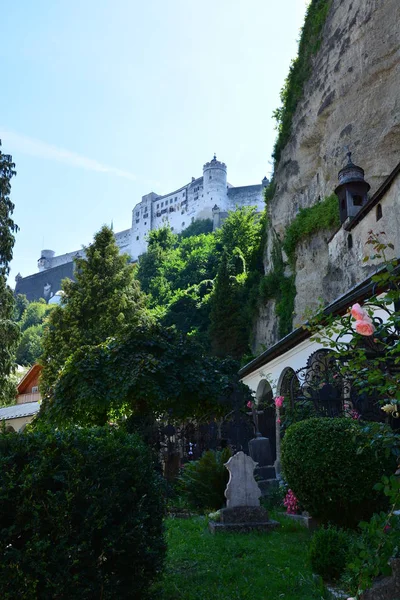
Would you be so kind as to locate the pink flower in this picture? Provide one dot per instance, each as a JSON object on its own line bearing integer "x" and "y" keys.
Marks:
{"x": 358, "y": 313}
{"x": 291, "y": 503}
{"x": 278, "y": 421}
{"x": 387, "y": 528}
{"x": 279, "y": 401}
{"x": 365, "y": 327}
{"x": 249, "y": 404}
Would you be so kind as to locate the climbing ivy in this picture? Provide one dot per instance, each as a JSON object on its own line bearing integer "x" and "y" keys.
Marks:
{"x": 277, "y": 284}
{"x": 280, "y": 287}
{"x": 320, "y": 216}
{"x": 299, "y": 72}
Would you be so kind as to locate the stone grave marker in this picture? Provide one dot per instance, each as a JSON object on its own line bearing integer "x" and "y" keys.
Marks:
{"x": 243, "y": 511}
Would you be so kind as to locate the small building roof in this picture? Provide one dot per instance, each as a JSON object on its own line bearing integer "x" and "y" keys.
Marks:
{"x": 19, "y": 410}
{"x": 30, "y": 377}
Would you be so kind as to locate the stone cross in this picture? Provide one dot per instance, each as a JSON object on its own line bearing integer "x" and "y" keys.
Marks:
{"x": 254, "y": 413}
{"x": 242, "y": 488}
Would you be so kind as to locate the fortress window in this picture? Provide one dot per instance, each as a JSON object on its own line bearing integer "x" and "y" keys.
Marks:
{"x": 350, "y": 242}
{"x": 183, "y": 223}
{"x": 137, "y": 237}
{"x": 162, "y": 204}
{"x": 158, "y": 206}
{"x": 357, "y": 200}
{"x": 137, "y": 214}
{"x": 176, "y": 198}
{"x": 379, "y": 212}
{"x": 210, "y": 176}
{"x": 145, "y": 223}
{"x": 171, "y": 201}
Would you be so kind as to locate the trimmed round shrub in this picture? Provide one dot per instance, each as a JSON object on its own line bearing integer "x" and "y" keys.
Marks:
{"x": 203, "y": 482}
{"x": 332, "y": 467}
{"x": 329, "y": 551}
{"x": 81, "y": 515}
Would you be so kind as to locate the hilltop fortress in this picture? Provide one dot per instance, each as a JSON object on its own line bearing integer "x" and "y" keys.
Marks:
{"x": 207, "y": 197}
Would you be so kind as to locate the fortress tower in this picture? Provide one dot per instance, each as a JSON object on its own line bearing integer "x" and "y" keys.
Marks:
{"x": 215, "y": 186}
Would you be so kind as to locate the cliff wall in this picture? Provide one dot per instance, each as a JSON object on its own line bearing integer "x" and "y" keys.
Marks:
{"x": 351, "y": 101}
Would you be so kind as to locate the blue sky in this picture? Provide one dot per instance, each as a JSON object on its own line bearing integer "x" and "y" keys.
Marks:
{"x": 104, "y": 101}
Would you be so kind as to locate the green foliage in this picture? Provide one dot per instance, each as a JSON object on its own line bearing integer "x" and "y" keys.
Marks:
{"x": 104, "y": 300}
{"x": 300, "y": 71}
{"x": 30, "y": 345}
{"x": 149, "y": 371}
{"x": 329, "y": 552}
{"x": 204, "y": 481}
{"x": 228, "y": 324}
{"x": 80, "y": 516}
{"x": 332, "y": 468}
{"x": 320, "y": 216}
{"x": 9, "y": 331}
{"x": 180, "y": 274}
{"x": 378, "y": 542}
{"x": 197, "y": 228}
{"x": 276, "y": 285}
{"x": 21, "y": 303}
{"x": 34, "y": 314}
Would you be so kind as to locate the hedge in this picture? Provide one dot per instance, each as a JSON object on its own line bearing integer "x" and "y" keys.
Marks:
{"x": 332, "y": 467}
{"x": 80, "y": 515}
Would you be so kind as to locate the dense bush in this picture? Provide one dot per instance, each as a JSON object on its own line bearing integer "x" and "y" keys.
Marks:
{"x": 80, "y": 516}
{"x": 332, "y": 468}
{"x": 329, "y": 550}
{"x": 203, "y": 482}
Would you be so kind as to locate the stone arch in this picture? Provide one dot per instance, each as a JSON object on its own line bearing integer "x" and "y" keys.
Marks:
{"x": 264, "y": 392}
{"x": 288, "y": 385}
{"x": 9, "y": 429}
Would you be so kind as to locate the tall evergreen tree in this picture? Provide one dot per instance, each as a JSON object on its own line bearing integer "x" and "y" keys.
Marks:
{"x": 105, "y": 300}
{"x": 228, "y": 327}
{"x": 9, "y": 331}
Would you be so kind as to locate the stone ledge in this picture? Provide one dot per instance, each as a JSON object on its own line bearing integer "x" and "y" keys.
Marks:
{"x": 242, "y": 527}
{"x": 308, "y": 522}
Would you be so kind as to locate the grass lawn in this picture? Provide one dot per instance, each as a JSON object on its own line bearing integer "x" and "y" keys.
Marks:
{"x": 232, "y": 566}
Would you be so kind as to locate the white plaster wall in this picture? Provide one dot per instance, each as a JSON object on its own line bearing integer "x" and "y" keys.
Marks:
{"x": 295, "y": 358}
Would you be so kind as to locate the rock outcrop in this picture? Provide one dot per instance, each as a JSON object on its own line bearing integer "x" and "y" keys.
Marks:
{"x": 352, "y": 100}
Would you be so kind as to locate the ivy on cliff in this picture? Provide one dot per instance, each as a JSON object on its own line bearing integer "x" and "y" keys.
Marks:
{"x": 280, "y": 287}
{"x": 299, "y": 72}
{"x": 320, "y": 216}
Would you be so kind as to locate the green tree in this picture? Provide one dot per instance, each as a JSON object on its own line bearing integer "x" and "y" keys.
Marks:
{"x": 9, "y": 331}
{"x": 228, "y": 324}
{"x": 150, "y": 371}
{"x": 105, "y": 300}
{"x": 30, "y": 345}
{"x": 21, "y": 303}
{"x": 35, "y": 314}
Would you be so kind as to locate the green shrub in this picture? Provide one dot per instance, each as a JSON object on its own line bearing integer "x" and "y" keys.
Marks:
{"x": 80, "y": 516}
{"x": 321, "y": 216}
{"x": 204, "y": 481}
{"x": 332, "y": 468}
{"x": 328, "y": 552}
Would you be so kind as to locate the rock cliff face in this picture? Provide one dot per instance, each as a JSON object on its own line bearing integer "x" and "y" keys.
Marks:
{"x": 352, "y": 99}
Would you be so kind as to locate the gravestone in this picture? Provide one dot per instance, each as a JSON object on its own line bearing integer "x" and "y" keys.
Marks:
{"x": 243, "y": 511}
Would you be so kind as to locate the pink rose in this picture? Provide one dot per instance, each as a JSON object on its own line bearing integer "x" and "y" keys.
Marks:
{"x": 278, "y": 421}
{"x": 279, "y": 401}
{"x": 249, "y": 404}
{"x": 365, "y": 327}
{"x": 358, "y": 313}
